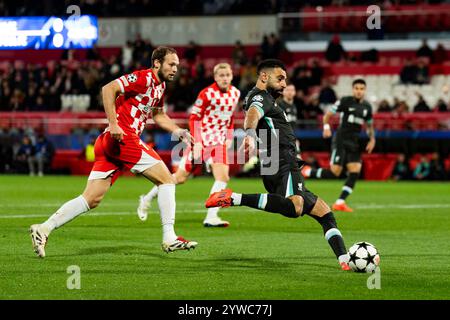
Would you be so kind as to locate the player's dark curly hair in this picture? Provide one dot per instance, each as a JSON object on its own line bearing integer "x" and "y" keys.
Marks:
{"x": 359, "y": 81}
{"x": 270, "y": 64}
{"x": 160, "y": 52}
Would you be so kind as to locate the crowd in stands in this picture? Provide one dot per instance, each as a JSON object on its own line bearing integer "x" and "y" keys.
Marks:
{"x": 416, "y": 167}
{"x": 32, "y": 87}
{"x": 427, "y": 168}
{"x": 401, "y": 107}
{"x": 24, "y": 151}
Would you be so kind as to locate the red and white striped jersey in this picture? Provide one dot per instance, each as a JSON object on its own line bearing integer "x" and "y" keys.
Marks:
{"x": 211, "y": 120}
{"x": 141, "y": 93}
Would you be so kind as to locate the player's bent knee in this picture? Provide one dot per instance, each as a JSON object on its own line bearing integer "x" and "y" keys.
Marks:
{"x": 336, "y": 171}
{"x": 180, "y": 180}
{"x": 93, "y": 200}
{"x": 320, "y": 208}
{"x": 298, "y": 204}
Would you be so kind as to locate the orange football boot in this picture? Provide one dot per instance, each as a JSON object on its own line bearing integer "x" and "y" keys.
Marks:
{"x": 341, "y": 207}
{"x": 220, "y": 199}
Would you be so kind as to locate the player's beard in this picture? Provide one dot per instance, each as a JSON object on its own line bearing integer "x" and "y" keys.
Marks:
{"x": 274, "y": 92}
{"x": 162, "y": 77}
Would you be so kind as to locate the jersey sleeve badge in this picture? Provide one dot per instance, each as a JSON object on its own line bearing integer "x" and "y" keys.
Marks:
{"x": 132, "y": 78}
{"x": 258, "y": 98}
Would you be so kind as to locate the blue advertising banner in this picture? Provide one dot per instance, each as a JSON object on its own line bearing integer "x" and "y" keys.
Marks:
{"x": 76, "y": 32}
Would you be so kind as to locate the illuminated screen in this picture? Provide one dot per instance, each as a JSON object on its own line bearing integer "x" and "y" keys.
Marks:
{"x": 48, "y": 32}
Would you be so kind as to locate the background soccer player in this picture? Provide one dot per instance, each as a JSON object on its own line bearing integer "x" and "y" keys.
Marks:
{"x": 287, "y": 193}
{"x": 287, "y": 103}
{"x": 345, "y": 145}
{"x": 211, "y": 123}
{"x": 128, "y": 102}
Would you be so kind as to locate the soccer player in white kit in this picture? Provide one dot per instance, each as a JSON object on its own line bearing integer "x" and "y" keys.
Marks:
{"x": 211, "y": 123}
{"x": 128, "y": 101}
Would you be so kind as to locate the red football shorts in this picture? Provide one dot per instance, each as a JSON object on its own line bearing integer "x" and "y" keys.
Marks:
{"x": 112, "y": 156}
{"x": 211, "y": 154}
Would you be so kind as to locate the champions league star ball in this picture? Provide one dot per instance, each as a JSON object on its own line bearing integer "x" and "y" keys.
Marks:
{"x": 364, "y": 257}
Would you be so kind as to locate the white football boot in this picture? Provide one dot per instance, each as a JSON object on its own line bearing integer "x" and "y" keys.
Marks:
{"x": 179, "y": 244}
{"x": 39, "y": 239}
{"x": 142, "y": 210}
{"x": 215, "y": 222}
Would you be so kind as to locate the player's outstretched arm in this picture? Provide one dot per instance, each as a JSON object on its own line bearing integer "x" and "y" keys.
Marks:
{"x": 166, "y": 123}
{"x": 371, "y": 133}
{"x": 326, "y": 125}
{"x": 250, "y": 123}
{"x": 110, "y": 92}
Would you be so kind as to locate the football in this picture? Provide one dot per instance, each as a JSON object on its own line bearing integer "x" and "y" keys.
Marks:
{"x": 364, "y": 257}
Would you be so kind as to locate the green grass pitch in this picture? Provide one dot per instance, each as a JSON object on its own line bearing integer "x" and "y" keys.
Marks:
{"x": 260, "y": 256}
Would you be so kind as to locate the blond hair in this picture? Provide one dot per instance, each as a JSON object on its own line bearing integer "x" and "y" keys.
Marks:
{"x": 222, "y": 65}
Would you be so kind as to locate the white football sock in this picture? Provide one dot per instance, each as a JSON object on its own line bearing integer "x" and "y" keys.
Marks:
{"x": 344, "y": 258}
{"x": 167, "y": 206}
{"x": 237, "y": 197}
{"x": 340, "y": 201}
{"x": 68, "y": 211}
{"x": 217, "y": 186}
{"x": 153, "y": 193}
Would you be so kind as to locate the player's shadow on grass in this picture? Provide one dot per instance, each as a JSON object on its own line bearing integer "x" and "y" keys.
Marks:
{"x": 193, "y": 262}
{"x": 92, "y": 251}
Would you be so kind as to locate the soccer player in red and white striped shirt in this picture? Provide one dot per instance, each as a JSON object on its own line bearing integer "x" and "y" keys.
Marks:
{"x": 128, "y": 102}
{"x": 211, "y": 123}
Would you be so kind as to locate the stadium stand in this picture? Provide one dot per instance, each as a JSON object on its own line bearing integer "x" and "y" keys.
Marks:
{"x": 57, "y": 91}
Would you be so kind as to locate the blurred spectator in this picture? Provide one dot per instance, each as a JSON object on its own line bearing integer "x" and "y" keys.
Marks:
{"x": 26, "y": 155}
{"x": 316, "y": 73}
{"x": 6, "y": 151}
{"x": 92, "y": 53}
{"x": 44, "y": 153}
{"x": 181, "y": 96}
{"x": 5, "y": 95}
{"x": 238, "y": 55}
{"x": 370, "y": 55}
{"x": 401, "y": 168}
{"x": 408, "y": 74}
{"x": 17, "y": 101}
{"x": 422, "y": 73}
{"x": 421, "y": 106}
{"x": 425, "y": 51}
{"x": 311, "y": 111}
{"x": 327, "y": 95}
{"x": 441, "y": 106}
{"x": 402, "y": 108}
{"x": 271, "y": 47}
{"x": 439, "y": 54}
{"x": 286, "y": 103}
{"x": 301, "y": 77}
{"x": 384, "y": 106}
{"x": 248, "y": 77}
{"x": 422, "y": 170}
{"x": 437, "y": 168}
{"x": 88, "y": 151}
{"x": 335, "y": 51}
{"x": 127, "y": 54}
{"x": 191, "y": 52}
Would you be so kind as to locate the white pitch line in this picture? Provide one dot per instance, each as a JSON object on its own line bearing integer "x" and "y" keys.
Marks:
{"x": 108, "y": 204}
{"x": 203, "y": 211}
{"x": 96, "y": 214}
